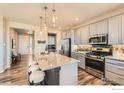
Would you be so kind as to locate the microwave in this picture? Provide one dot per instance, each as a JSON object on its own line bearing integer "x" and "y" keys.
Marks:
{"x": 98, "y": 39}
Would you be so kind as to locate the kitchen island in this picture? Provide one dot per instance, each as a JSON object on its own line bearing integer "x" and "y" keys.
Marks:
{"x": 68, "y": 73}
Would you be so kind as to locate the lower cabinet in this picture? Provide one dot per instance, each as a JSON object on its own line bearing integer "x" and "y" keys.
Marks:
{"x": 82, "y": 61}
{"x": 114, "y": 71}
{"x": 115, "y": 77}
{"x": 79, "y": 57}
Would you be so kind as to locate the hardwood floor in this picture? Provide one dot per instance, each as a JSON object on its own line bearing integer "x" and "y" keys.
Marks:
{"x": 17, "y": 75}
{"x": 85, "y": 78}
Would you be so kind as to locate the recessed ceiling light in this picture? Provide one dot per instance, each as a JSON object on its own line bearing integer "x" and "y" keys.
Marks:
{"x": 76, "y": 19}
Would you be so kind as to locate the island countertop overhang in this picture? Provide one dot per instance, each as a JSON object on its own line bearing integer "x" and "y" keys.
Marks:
{"x": 54, "y": 60}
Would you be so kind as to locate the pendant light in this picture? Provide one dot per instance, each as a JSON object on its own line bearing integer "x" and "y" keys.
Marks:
{"x": 54, "y": 16}
{"x": 41, "y": 25}
{"x": 45, "y": 22}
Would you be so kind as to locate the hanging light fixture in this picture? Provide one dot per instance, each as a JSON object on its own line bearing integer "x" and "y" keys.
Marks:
{"x": 41, "y": 25}
{"x": 54, "y": 16}
{"x": 45, "y": 22}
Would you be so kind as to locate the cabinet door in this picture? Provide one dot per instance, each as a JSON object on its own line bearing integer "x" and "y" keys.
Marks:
{"x": 64, "y": 34}
{"x": 82, "y": 62}
{"x": 77, "y": 37}
{"x": 122, "y": 29}
{"x": 68, "y": 33}
{"x": 114, "y": 30}
{"x": 72, "y": 37}
{"x": 101, "y": 27}
{"x": 114, "y": 77}
{"x": 93, "y": 29}
{"x": 84, "y": 35}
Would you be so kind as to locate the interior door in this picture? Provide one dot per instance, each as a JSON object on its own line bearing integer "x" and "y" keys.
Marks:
{"x": 24, "y": 44}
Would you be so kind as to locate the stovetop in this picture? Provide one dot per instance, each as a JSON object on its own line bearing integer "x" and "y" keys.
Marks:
{"x": 96, "y": 55}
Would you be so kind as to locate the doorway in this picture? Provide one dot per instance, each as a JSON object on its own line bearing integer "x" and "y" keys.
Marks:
{"x": 22, "y": 41}
{"x": 51, "y": 42}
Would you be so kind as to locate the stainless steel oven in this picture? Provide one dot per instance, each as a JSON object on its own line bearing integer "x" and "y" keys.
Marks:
{"x": 95, "y": 61}
{"x": 95, "y": 66}
{"x": 98, "y": 39}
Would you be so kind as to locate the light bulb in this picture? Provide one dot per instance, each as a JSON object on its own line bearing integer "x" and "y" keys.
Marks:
{"x": 53, "y": 19}
{"x": 40, "y": 32}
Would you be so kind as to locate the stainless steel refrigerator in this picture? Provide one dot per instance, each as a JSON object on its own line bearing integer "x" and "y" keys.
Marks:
{"x": 66, "y": 47}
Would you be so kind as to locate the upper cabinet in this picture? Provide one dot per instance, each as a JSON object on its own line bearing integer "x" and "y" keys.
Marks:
{"x": 68, "y": 33}
{"x": 113, "y": 26}
{"x": 77, "y": 36}
{"x": 114, "y": 34}
{"x": 101, "y": 27}
{"x": 122, "y": 29}
{"x": 64, "y": 34}
{"x": 98, "y": 28}
{"x": 84, "y": 35}
{"x": 93, "y": 29}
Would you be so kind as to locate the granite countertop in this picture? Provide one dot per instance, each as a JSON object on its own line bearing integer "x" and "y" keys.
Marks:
{"x": 53, "y": 60}
{"x": 118, "y": 58}
{"x": 81, "y": 52}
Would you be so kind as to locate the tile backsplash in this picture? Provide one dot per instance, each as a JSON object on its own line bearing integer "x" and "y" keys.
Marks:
{"x": 118, "y": 50}
{"x": 82, "y": 47}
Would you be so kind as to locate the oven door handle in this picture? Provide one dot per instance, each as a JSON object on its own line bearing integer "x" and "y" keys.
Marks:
{"x": 95, "y": 59}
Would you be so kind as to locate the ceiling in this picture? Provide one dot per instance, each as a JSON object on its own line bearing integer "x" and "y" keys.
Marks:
{"x": 68, "y": 14}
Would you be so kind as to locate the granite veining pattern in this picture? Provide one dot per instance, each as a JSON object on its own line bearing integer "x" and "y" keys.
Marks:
{"x": 53, "y": 60}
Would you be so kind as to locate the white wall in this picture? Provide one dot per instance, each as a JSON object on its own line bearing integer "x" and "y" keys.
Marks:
{"x": 3, "y": 61}
{"x": 14, "y": 35}
{"x": 58, "y": 37}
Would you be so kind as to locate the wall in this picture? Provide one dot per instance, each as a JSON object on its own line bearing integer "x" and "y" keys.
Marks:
{"x": 37, "y": 36}
{"x": 58, "y": 37}
{"x": 3, "y": 60}
{"x": 118, "y": 50}
{"x": 14, "y": 35}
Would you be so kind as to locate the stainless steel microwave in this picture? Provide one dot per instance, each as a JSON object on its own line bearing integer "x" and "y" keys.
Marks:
{"x": 99, "y": 39}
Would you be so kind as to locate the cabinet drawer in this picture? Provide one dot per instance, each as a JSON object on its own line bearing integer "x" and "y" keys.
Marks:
{"x": 115, "y": 62}
{"x": 114, "y": 77}
{"x": 115, "y": 69}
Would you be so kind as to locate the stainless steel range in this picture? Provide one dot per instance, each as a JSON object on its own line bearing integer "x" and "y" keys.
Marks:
{"x": 95, "y": 60}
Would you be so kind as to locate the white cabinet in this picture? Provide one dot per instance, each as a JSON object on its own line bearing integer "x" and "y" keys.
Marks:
{"x": 82, "y": 61}
{"x": 68, "y": 33}
{"x": 114, "y": 71}
{"x": 98, "y": 28}
{"x": 77, "y": 36}
{"x": 114, "y": 30}
{"x": 101, "y": 27}
{"x": 122, "y": 29}
{"x": 79, "y": 57}
{"x": 93, "y": 29}
{"x": 84, "y": 35}
{"x": 64, "y": 34}
{"x": 115, "y": 77}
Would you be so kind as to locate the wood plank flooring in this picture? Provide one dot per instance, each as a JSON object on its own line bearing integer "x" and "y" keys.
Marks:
{"x": 17, "y": 74}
